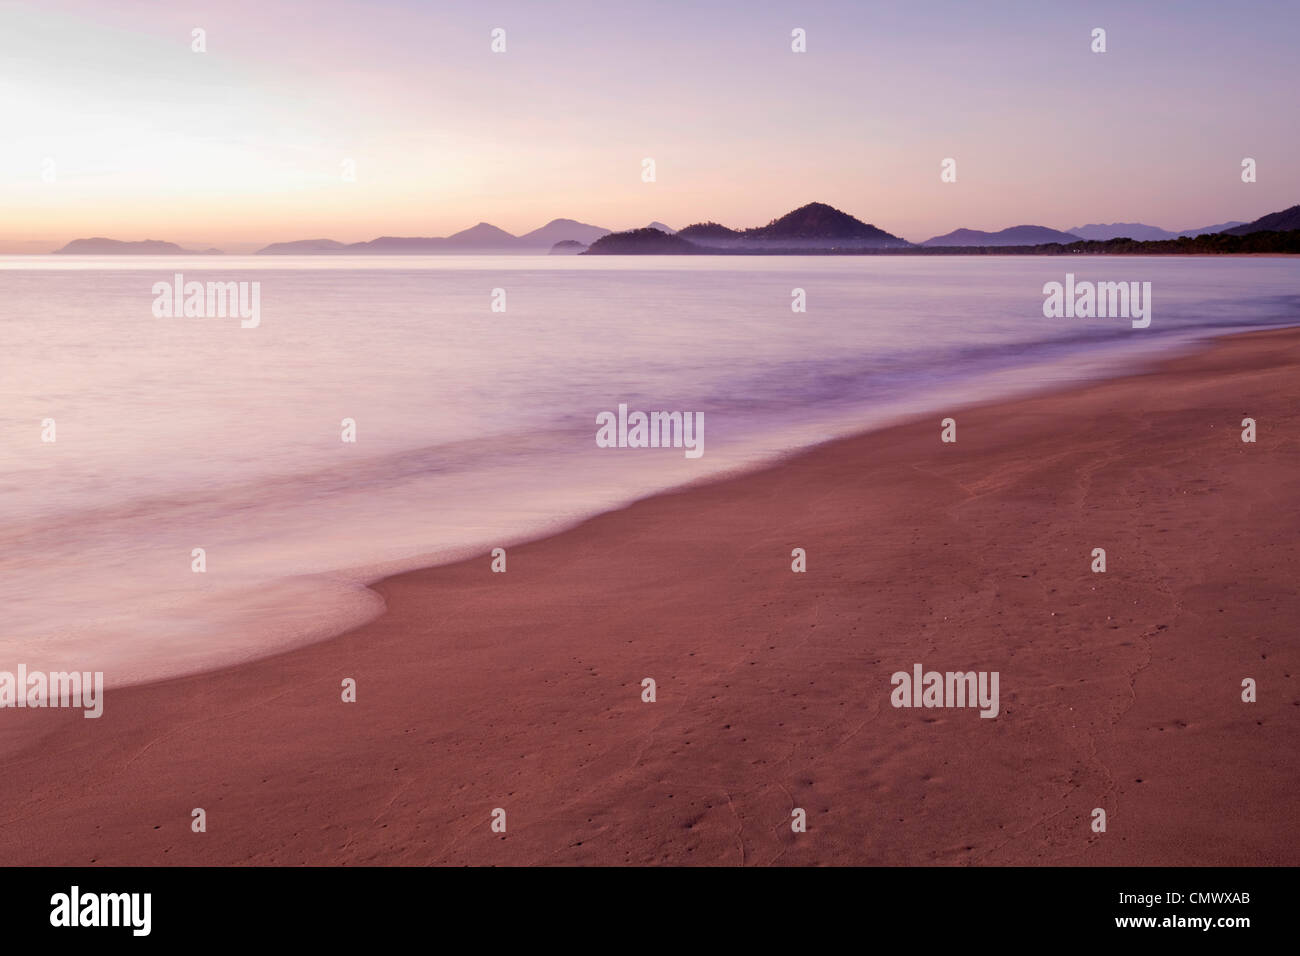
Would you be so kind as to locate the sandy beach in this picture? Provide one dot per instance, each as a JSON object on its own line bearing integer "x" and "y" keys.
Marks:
{"x": 522, "y": 691}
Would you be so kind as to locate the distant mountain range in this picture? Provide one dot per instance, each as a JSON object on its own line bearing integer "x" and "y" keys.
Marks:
{"x": 819, "y": 228}
{"x": 814, "y": 228}
{"x": 1143, "y": 232}
{"x": 1011, "y": 236}
{"x": 484, "y": 237}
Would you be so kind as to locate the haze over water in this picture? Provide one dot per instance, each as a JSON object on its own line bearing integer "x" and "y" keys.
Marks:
{"x": 475, "y": 429}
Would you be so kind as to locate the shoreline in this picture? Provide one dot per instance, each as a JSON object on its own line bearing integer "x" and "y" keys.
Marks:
{"x": 495, "y": 704}
{"x": 341, "y": 597}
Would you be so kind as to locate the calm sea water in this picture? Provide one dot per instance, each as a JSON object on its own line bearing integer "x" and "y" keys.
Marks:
{"x": 475, "y": 428}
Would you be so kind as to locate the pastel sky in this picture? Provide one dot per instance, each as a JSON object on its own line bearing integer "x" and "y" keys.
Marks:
{"x": 245, "y": 144}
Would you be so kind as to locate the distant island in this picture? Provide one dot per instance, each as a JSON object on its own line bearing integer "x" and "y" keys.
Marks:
{"x": 647, "y": 241}
{"x": 100, "y": 246}
{"x": 567, "y": 247}
{"x": 815, "y": 226}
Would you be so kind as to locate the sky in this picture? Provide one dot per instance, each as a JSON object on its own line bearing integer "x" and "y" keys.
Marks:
{"x": 111, "y": 125}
